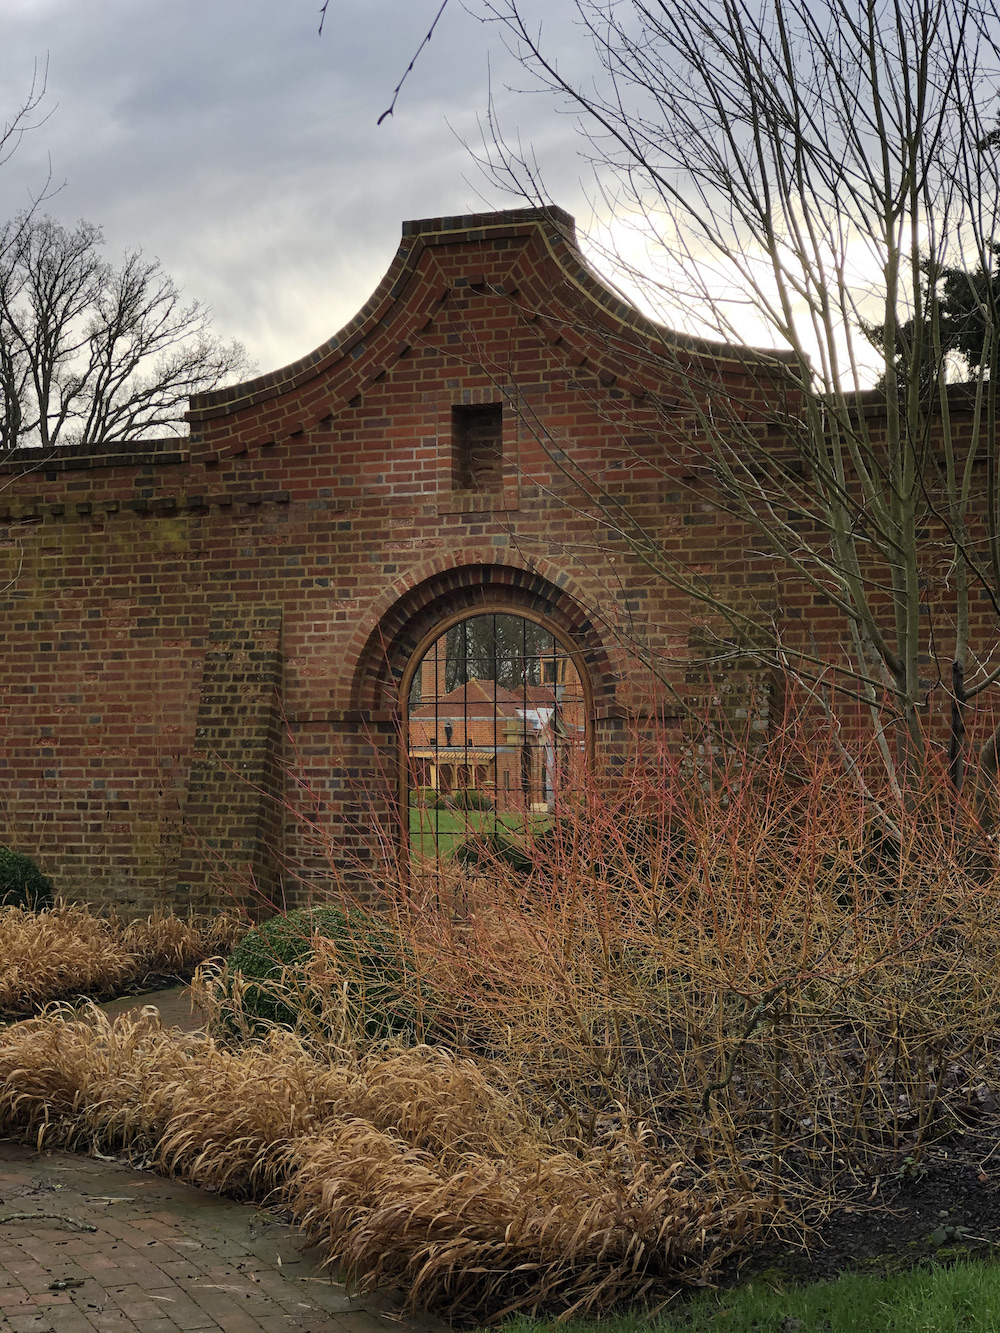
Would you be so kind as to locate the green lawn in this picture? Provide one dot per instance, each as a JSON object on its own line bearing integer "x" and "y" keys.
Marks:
{"x": 439, "y": 832}
{"x": 960, "y": 1299}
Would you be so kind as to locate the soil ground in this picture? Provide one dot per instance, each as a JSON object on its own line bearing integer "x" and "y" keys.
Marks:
{"x": 944, "y": 1208}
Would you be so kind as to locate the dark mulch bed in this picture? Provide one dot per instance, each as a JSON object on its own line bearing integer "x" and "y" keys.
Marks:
{"x": 941, "y": 1209}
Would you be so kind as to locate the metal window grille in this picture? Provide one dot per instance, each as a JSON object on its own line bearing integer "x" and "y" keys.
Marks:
{"x": 497, "y": 729}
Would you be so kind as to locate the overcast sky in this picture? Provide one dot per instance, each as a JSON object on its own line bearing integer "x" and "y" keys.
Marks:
{"x": 230, "y": 140}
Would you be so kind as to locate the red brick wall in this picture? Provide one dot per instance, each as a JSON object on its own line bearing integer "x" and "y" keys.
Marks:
{"x": 204, "y": 634}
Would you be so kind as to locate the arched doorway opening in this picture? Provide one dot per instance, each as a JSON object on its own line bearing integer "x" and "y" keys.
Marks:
{"x": 496, "y": 709}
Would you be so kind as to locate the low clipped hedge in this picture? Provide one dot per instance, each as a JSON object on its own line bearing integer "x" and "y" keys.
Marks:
{"x": 22, "y": 884}
{"x": 471, "y": 798}
{"x": 373, "y": 959}
{"x": 485, "y": 850}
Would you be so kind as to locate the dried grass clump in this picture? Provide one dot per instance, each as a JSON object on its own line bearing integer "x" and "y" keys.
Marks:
{"x": 52, "y": 953}
{"x": 406, "y": 1165}
{"x": 176, "y": 945}
{"x": 496, "y": 1236}
{"x": 67, "y": 950}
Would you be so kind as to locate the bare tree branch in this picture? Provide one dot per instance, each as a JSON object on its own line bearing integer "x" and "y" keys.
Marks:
{"x": 413, "y": 60}
{"x": 90, "y": 353}
{"x": 808, "y": 163}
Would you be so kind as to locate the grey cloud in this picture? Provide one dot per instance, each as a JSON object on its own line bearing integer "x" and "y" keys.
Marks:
{"x": 239, "y": 147}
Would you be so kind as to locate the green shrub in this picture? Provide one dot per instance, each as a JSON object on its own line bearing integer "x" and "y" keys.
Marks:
{"x": 485, "y": 849}
{"x": 373, "y": 958}
{"x": 22, "y": 884}
{"x": 469, "y": 798}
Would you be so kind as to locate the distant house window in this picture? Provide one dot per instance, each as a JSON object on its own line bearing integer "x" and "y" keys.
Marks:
{"x": 477, "y": 447}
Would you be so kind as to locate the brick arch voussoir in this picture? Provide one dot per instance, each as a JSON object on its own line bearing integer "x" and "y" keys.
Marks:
{"x": 462, "y": 581}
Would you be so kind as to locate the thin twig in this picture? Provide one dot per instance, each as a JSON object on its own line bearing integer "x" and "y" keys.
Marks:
{"x": 430, "y": 33}
{"x": 416, "y": 55}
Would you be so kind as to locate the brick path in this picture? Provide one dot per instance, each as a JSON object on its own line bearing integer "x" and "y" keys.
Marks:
{"x": 162, "y": 1257}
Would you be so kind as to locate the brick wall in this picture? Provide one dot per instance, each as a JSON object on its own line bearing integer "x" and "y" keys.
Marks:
{"x": 204, "y": 636}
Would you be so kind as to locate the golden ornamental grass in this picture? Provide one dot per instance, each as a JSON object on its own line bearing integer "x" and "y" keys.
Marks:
{"x": 493, "y": 1236}
{"x": 168, "y": 944}
{"x": 67, "y": 950}
{"x": 406, "y": 1166}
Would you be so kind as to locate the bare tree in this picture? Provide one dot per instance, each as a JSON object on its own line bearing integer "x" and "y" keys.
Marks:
{"x": 90, "y": 353}
{"x": 796, "y": 169}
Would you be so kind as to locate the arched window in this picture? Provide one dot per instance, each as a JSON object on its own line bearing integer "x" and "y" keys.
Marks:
{"x": 496, "y": 727}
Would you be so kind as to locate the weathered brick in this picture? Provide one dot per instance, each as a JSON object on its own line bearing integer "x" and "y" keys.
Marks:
{"x": 214, "y": 628}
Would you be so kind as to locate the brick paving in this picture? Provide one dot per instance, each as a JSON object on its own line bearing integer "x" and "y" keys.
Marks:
{"x": 175, "y": 1003}
{"x": 160, "y": 1257}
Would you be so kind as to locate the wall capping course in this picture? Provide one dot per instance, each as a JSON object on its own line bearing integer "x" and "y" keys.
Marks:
{"x": 172, "y": 451}
{"x": 555, "y": 228}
